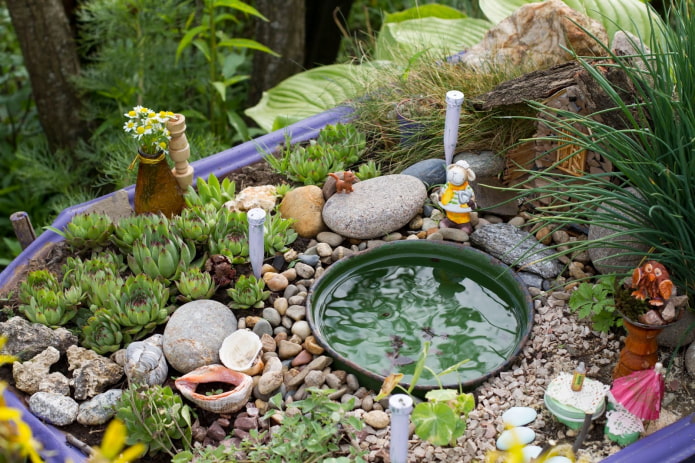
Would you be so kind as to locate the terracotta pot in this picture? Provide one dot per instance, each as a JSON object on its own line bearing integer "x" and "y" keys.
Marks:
{"x": 640, "y": 351}
{"x": 156, "y": 189}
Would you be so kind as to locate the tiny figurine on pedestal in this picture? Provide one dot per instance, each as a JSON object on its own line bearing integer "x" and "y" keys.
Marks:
{"x": 343, "y": 184}
{"x": 457, "y": 197}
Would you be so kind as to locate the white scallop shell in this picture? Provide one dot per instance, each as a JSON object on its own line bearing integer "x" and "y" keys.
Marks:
{"x": 226, "y": 402}
{"x": 145, "y": 362}
{"x": 241, "y": 350}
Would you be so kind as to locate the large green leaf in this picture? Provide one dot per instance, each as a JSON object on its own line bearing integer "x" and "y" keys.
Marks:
{"x": 308, "y": 93}
{"x": 440, "y": 37}
{"x": 424, "y": 11}
{"x": 437, "y": 423}
{"x": 629, "y": 15}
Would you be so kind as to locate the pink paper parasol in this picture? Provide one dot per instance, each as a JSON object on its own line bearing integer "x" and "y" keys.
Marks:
{"x": 641, "y": 392}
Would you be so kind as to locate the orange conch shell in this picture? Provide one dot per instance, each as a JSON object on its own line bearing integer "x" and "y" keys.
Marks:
{"x": 227, "y": 402}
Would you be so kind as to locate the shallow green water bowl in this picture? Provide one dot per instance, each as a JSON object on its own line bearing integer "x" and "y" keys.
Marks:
{"x": 374, "y": 313}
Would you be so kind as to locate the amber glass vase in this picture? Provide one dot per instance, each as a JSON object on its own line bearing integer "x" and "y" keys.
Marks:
{"x": 156, "y": 189}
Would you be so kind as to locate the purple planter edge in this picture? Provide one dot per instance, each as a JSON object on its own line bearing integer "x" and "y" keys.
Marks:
{"x": 220, "y": 164}
{"x": 673, "y": 444}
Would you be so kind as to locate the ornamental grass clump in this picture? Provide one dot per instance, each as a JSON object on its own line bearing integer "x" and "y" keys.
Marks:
{"x": 648, "y": 198}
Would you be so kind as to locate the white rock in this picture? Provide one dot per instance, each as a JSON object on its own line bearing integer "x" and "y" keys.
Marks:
{"x": 530, "y": 452}
{"x": 558, "y": 459}
{"x": 522, "y": 435}
{"x": 519, "y": 416}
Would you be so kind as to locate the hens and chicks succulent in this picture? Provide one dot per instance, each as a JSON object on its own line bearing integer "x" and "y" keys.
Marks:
{"x": 127, "y": 276}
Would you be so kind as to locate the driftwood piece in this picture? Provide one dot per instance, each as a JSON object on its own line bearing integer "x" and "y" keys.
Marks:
{"x": 542, "y": 84}
{"x": 537, "y": 85}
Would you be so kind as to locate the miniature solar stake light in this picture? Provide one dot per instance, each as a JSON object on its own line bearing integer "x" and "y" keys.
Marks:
{"x": 454, "y": 100}
{"x": 256, "y": 218}
{"x": 400, "y": 406}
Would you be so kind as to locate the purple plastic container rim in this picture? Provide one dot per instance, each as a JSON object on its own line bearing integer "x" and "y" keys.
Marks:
{"x": 220, "y": 164}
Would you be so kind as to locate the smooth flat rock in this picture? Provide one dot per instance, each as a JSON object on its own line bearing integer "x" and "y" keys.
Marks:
{"x": 375, "y": 207}
{"x": 518, "y": 248}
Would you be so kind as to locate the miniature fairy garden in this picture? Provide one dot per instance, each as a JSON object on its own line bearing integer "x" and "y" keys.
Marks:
{"x": 190, "y": 319}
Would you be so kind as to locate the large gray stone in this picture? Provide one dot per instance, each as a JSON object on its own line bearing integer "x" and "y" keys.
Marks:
{"x": 430, "y": 171}
{"x": 611, "y": 257}
{"x": 376, "y": 206}
{"x": 99, "y": 409}
{"x": 194, "y": 334}
{"x": 26, "y": 339}
{"x": 518, "y": 248}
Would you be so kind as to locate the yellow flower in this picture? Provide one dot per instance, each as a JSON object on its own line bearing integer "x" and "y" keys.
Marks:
{"x": 111, "y": 448}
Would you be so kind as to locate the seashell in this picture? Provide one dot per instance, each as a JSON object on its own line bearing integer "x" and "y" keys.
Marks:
{"x": 519, "y": 416}
{"x": 145, "y": 362}
{"x": 240, "y": 351}
{"x": 226, "y": 402}
{"x": 521, "y": 435}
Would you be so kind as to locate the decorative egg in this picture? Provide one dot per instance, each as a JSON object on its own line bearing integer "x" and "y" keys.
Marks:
{"x": 530, "y": 452}
{"x": 521, "y": 435}
{"x": 558, "y": 459}
{"x": 519, "y": 416}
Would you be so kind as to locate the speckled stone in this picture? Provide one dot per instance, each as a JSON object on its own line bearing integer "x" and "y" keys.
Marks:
{"x": 194, "y": 334}
{"x": 376, "y": 206}
{"x": 53, "y": 408}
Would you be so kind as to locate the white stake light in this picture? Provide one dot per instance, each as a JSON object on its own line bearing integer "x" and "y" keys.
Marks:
{"x": 454, "y": 100}
{"x": 400, "y": 406}
{"x": 256, "y": 218}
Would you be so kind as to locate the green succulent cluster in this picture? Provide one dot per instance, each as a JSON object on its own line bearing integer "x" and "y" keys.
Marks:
{"x": 125, "y": 311}
{"x": 44, "y": 300}
{"x": 87, "y": 231}
{"x": 196, "y": 223}
{"x": 336, "y": 148}
{"x": 367, "y": 170}
{"x": 211, "y": 192}
{"x": 161, "y": 254}
{"x": 248, "y": 292}
{"x": 278, "y": 234}
{"x": 230, "y": 237}
{"x": 194, "y": 284}
{"x": 128, "y": 229}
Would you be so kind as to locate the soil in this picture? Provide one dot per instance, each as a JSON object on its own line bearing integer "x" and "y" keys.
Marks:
{"x": 680, "y": 388}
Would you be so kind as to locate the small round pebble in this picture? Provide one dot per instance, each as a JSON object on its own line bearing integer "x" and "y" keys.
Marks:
{"x": 377, "y": 419}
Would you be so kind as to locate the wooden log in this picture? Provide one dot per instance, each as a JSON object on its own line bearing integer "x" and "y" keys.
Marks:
{"x": 22, "y": 228}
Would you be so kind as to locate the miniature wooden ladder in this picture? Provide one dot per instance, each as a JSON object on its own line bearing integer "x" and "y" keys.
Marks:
{"x": 180, "y": 151}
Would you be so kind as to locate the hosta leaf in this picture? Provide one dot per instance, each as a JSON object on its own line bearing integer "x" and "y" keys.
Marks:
{"x": 629, "y": 15}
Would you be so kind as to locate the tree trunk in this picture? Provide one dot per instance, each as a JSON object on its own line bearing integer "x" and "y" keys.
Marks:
{"x": 50, "y": 56}
{"x": 284, "y": 33}
{"x": 323, "y": 35}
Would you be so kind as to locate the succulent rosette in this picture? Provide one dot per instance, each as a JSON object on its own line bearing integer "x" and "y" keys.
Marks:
{"x": 141, "y": 305}
{"x": 87, "y": 231}
{"x": 248, "y": 292}
{"x": 102, "y": 333}
{"x": 161, "y": 255}
{"x": 195, "y": 284}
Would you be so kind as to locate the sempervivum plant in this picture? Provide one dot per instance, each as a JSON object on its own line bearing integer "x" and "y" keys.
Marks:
{"x": 43, "y": 300}
{"x": 248, "y": 292}
{"x": 102, "y": 333}
{"x": 128, "y": 229}
{"x": 196, "y": 223}
{"x": 78, "y": 272}
{"x": 229, "y": 237}
{"x": 195, "y": 284}
{"x": 278, "y": 234}
{"x": 87, "y": 231}
{"x": 161, "y": 254}
{"x": 211, "y": 192}
{"x": 139, "y": 307}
